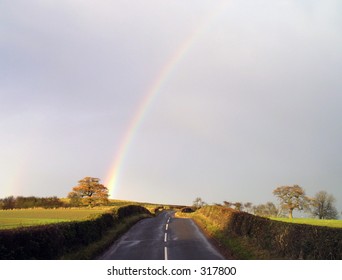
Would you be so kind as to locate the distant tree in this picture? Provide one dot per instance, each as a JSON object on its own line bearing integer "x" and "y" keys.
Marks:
{"x": 51, "y": 202}
{"x": 89, "y": 192}
{"x": 21, "y": 202}
{"x": 75, "y": 199}
{"x": 228, "y": 204}
{"x": 198, "y": 203}
{"x": 238, "y": 206}
{"x": 248, "y": 206}
{"x": 266, "y": 210}
{"x": 291, "y": 198}
{"x": 323, "y": 206}
{"x": 26, "y": 202}
{"x": 8, "y": 203}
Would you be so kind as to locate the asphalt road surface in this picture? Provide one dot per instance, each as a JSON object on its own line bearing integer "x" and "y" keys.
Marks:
{"x": 163, "y": 238}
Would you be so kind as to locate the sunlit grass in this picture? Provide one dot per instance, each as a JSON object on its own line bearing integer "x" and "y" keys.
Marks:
{"x": 8, "y": 223}
{"x": 32, "y": 217}
{"x": 314, "y": 222}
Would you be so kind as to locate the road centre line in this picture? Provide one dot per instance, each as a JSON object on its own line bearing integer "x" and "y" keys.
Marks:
{"x": 167, "y": 226}
{"x": 165, "y": 253}
{"x": 165, "y": 237}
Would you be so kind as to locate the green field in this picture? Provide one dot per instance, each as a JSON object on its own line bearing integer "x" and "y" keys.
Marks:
{"x": 314, "y": 222}
{"x": 38, "y": 216}
{"x": 32, "y": 217}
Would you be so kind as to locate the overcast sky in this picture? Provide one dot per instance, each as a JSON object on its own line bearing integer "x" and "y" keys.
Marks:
{"x": 254, "y": 103}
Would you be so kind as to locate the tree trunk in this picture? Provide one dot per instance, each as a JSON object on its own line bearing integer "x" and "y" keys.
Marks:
{"x": 290, "y": 214}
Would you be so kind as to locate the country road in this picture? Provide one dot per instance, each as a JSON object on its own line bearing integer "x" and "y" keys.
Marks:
{"x": 163, "y": 237}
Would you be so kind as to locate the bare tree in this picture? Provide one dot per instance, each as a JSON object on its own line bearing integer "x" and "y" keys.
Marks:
{"x": 266, "y": 210}
{"x": 323, "y": 206}
{"x": 238, "y": 206}
{"x": 228, "y": 204}
{"x": 248, "y": 206}
{"x": 291, "y": 198}
{"x": 198, "y": 203}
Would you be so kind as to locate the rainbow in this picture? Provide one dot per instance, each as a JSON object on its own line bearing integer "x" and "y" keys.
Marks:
{"x": 166, "y": 71}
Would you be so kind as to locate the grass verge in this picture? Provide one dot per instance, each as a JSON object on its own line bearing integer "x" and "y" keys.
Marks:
{"x": 94, "y": 249}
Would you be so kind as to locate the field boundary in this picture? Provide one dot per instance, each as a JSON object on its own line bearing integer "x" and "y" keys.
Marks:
{"x": 272, "y": 239}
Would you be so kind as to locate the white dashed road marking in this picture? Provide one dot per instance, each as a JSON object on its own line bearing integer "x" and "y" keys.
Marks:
{"x": 165, "y": 253}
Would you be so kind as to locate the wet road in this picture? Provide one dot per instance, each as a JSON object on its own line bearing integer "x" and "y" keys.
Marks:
{"x": 163, "y": 237}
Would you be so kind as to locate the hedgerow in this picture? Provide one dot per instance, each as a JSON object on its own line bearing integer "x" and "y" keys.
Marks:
{"x": 54, "y": 240}
{"x": 285, "y": 240}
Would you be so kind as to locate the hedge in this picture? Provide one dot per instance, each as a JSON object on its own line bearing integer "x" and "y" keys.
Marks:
{"x": 286, "y": 240}
{"x": 50, "y": 242}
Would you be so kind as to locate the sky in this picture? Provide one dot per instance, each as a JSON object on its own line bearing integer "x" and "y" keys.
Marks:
{"x": 166, "y": 101}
